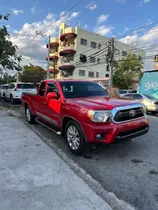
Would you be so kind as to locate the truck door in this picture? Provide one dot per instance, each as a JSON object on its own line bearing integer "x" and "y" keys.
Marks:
{"x": 40, "y": 103}
{"x": 53, "y": 105}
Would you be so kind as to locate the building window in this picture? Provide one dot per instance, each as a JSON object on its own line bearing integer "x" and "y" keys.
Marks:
{"x": 124, "y": 53}
{"x": 93, "y": 44}
{"x": 92, "y": 59}
{"x": 91, "y": 74}
{"x": 99, "y": 46}
{"x": 106, "y": 75}
{"x": 83, "y": 42}
{"x": 98, "y": 60}
{"x": 83, "y": 58}
{"x": 97, "y": 74}
{"x": 81, "y": 72}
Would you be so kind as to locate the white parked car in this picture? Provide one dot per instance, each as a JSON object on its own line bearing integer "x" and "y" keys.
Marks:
{"x": 15, "y": 90}
{"x": 124, "y": 92}
{"x": 3, "y": 89}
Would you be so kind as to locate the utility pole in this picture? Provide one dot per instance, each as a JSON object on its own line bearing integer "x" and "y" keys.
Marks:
{"x": 54, "y": 61}
{"x": 48, "y": 56}
{"x": 49, "y": 40}
{"x": 112, "y": 50}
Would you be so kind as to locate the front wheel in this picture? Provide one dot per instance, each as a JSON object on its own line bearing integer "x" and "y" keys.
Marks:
{"x": 154, "y": 112}
{"x": 29, "y": 116}
{"x": 75, "y": 137}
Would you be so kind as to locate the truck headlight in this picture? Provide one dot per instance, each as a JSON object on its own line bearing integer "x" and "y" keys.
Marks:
{"x": 99, "y": 116}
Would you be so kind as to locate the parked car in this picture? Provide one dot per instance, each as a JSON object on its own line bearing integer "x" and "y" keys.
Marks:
{"x": 3, "y": 89}
{"x": 15, "y": 90}
{"x": 82, "y": 111}
{"x": 124, "y": 92}
{"x": 149, "y": 101}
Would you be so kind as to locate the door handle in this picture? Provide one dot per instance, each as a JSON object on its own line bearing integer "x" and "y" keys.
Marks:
{"x": 44, "y": 102}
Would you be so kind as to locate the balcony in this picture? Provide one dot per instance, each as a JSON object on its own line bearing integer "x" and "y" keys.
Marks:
{"x": 67, "y": 33}
{"x": 54, "y": 42}
{"x": 53, "y": 57}
{"x": 67, "y": 66}
{"x": 53, "y": 71}
{"x": 67, "y": 49}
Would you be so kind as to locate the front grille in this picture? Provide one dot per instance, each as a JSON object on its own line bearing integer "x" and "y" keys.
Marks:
{"x": 128, "y": 114}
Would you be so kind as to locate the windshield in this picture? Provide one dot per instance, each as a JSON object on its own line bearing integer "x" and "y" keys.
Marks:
{"x": 82, "y": 89}
{"x": 150, "y": 97}
{"x": 26, "y": 86}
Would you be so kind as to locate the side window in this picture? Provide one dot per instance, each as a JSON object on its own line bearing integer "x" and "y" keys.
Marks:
{"x": 11, "y": 86}
{"x": 51, "y": 88}
{"x": 139, "y": 97}
{"x": 42, "y": 89}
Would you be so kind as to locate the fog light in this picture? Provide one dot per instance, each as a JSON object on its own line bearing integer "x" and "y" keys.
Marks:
{"x": 98, "y": 136}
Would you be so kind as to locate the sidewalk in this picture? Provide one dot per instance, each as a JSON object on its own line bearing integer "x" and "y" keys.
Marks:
{"x": 33, "y": 176}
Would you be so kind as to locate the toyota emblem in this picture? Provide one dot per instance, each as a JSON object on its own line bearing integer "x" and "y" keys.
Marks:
{"x": 132, "y": 113}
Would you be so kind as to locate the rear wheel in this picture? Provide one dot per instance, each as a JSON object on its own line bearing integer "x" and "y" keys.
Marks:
{"x": 12, "y": 99}
{"x": 75, "y": 137}
{"x": 29, "y": 116}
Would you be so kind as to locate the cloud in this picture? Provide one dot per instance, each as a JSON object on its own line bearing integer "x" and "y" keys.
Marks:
{"x": 91, "y": 6}
{"x": 146, "y": 1}
{"x": 121, "y": 1}
{"x": 17, "y": 12}
{"x": 143, "y": 2}
{"x": 148, "y": 42}
{"x": 33, "y": 9}
{"x": 74, "y": 14}
{"x": 102, "y": 18}
{"x": 36, "y": 51}
{"x": 103, "y": 30}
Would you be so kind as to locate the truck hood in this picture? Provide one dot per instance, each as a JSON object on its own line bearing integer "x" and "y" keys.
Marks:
{"x": 101, "y": 102}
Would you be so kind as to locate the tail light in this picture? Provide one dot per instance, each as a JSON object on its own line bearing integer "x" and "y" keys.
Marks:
{"x": 16, "y": 89}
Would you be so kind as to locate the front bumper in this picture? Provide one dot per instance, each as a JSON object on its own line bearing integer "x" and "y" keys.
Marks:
{"x": 111, "y": 132}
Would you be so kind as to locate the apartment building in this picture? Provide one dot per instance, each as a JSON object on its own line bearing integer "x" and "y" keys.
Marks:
{"x": 75, "y": 45}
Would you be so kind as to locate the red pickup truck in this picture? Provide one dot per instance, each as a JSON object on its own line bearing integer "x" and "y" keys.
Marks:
{"x": 84, "y": 113}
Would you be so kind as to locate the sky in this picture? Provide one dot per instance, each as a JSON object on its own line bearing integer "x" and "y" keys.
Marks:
{"x": 111, "y": 18}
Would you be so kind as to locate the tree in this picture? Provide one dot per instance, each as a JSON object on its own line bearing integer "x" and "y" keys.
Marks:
{"x": 126, "y": 70}
{"x": 7, "y": 79}
{"x": 8, "y": 52}
{"x": 32, "y": 73}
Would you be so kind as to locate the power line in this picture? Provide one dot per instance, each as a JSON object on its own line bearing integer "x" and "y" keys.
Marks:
{"x": 52, "y": 24}
{"x": 138, "y": 29}
{"x": 62, "y": 15}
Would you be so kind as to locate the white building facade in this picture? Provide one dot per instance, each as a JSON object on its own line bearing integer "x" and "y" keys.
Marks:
{"x": 75, "y": 44}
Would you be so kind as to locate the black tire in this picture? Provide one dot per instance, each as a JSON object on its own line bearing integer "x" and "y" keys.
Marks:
{"x": 5, "y": 99}
{"x": 12, "y": 101}
{"x": 29, "y": 116}
{"x": 154, "y": 112}
{"x": 71, "y": 144}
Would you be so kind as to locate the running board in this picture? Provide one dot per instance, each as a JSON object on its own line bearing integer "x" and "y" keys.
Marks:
{"x": 47, "y": 126}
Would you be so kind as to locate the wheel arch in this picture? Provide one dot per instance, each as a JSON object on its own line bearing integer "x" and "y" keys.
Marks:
{"x": 66, "y": 119}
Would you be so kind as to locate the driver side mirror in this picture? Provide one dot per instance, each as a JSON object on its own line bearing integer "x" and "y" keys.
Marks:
{"x": 52, "y": 95}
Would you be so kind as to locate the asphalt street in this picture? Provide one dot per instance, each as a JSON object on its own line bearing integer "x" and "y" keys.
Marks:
{"x": 129, "y": 169}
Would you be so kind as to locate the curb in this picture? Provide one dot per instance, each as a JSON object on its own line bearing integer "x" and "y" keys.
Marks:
{"x": 109, "y": 197}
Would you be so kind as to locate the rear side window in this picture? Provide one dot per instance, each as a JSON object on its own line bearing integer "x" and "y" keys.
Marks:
{"x": 42, "y": 89}
{"x": 11, "y": 86}
{"x": 122, "y": 91}
{"x": 25, "y": 86}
